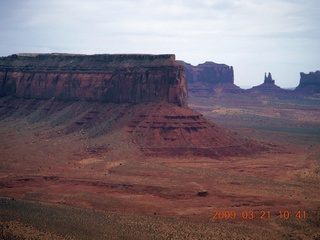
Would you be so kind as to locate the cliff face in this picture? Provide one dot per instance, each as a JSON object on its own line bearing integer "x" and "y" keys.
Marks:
{"x": 309, "y": 82}
{"x": 106, "y": 78}
{"x": 209, "y": 77}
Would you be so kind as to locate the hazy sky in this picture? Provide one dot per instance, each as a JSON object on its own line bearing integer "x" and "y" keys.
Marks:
{"x": 254, "y": 36}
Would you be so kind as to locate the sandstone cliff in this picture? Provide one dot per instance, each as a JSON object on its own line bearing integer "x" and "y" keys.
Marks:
{"x": 119, "y": 78}
{"x": 209, "y": 78}
{"x": 309, "y": 82}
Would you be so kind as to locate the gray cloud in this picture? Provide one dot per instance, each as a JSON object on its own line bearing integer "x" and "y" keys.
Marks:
{"x": 281, "y": 36}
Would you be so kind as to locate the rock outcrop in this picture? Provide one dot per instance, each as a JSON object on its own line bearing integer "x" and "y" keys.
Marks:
{"x": 210, "y": 78}
{"x": 267, "y": 87}
{"x": 119, "y": 78}
{"x": 268, "y": 80}
{"x": 309, "y": 82}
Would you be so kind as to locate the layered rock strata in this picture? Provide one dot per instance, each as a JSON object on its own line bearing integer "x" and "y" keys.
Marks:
{"x": 118, "y": 78}
{"x": 170, "y": 130}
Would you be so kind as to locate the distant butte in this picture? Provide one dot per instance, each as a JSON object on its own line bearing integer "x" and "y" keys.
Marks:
{"x": 309, "y": 82}
{"x": 210, "y": 78}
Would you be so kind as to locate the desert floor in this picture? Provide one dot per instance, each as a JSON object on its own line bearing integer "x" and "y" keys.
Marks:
{"x": 69, "y": 186}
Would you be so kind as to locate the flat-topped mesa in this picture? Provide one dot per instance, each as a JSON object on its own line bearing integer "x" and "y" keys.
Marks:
{"x": 209, "y": 72}
{"x": 210, "y": 78}
{"x": 117, "y": 78}
{"x": 309, "y": 82}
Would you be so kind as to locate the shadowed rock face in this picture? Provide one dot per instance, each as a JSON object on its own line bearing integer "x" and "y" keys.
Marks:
{"x": 309, "y": 82}
{"x": 118, "y": 78}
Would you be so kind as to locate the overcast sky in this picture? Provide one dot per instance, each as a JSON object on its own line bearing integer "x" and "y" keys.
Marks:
{"x": 254, "y": 36}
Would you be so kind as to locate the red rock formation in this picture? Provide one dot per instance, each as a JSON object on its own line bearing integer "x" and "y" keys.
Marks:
{"x": 209, "y": 78}
{"x": 267, "y": 87}
{"x": 158, "y": 124}
{"x": 309, "y": 82}
{"x": 108, "y": 78}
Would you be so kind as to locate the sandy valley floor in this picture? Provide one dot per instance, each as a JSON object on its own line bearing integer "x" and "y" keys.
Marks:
{"x": 75, "y": 187}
